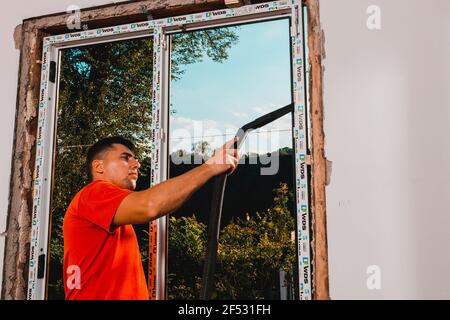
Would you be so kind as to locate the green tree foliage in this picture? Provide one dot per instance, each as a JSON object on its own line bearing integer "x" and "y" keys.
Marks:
{"x": 251, "y": 253}
{"x": 187, "y": 242}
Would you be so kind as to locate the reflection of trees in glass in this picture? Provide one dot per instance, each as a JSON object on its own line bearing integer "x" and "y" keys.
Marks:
{"x": 214, "y": 43}
{"x": 105, "y": 90}
{"x": 251, "y": 253}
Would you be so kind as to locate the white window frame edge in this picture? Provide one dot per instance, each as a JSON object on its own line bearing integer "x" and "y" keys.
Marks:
{"x": 161, "y": 29}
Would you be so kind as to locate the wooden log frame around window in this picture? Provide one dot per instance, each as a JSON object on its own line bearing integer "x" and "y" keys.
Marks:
{"x": 28, "y": 39}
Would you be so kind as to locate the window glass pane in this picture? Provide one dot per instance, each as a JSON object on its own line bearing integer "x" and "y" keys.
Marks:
{"x": 104, "y": 90}
{"x": 243, "y": 74}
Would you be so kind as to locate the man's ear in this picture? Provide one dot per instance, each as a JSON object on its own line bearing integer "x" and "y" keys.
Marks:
{"x": 97, "y": 167}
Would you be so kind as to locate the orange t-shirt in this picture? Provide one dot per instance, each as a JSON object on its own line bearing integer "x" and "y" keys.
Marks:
{"x": 100, "y": 263}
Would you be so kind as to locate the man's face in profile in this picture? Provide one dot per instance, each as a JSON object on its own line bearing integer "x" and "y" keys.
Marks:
{"x": 118, "y": 166}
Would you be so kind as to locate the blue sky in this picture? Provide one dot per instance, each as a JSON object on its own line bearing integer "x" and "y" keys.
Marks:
{"x": 213, "y": 99}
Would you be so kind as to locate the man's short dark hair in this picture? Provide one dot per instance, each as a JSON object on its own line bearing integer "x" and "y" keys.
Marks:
{"x": 97, "y": 149}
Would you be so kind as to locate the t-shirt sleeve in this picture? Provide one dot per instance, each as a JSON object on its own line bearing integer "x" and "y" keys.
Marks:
{"x": 99, "y": 202}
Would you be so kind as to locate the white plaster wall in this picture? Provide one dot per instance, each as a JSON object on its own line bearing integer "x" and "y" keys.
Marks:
{"x": 387, "y": 113}
{"x": 12, "y": 14}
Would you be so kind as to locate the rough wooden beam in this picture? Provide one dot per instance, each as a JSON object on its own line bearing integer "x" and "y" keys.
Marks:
{"x": 123, "y": 13}
{"x": 233, "y": 3}
{"x": 319, "y": 163}
{"x": 20, "y": 199}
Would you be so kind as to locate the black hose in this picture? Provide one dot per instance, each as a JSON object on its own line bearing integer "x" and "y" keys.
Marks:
{"x": 217, "y": 202}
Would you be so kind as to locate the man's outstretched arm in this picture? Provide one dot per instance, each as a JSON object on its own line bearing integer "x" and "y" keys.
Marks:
{"x": 166, "y": 197}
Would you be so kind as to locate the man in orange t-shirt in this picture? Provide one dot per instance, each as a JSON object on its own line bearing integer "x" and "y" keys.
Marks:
{"x": 101, "y": 253}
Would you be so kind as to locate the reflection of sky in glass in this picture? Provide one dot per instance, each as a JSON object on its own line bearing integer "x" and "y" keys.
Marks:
{"x": 212, "y": 100}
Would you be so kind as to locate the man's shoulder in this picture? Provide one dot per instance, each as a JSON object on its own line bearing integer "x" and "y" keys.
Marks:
{"x": 90, "y": 192}
{"x": 98, "y": 183}
{"x": 76, "y": 199}
{"x": 94, "y": 186}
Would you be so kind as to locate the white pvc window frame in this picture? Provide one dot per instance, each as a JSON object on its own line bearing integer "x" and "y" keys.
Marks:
{"x": 161, "y": 29}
